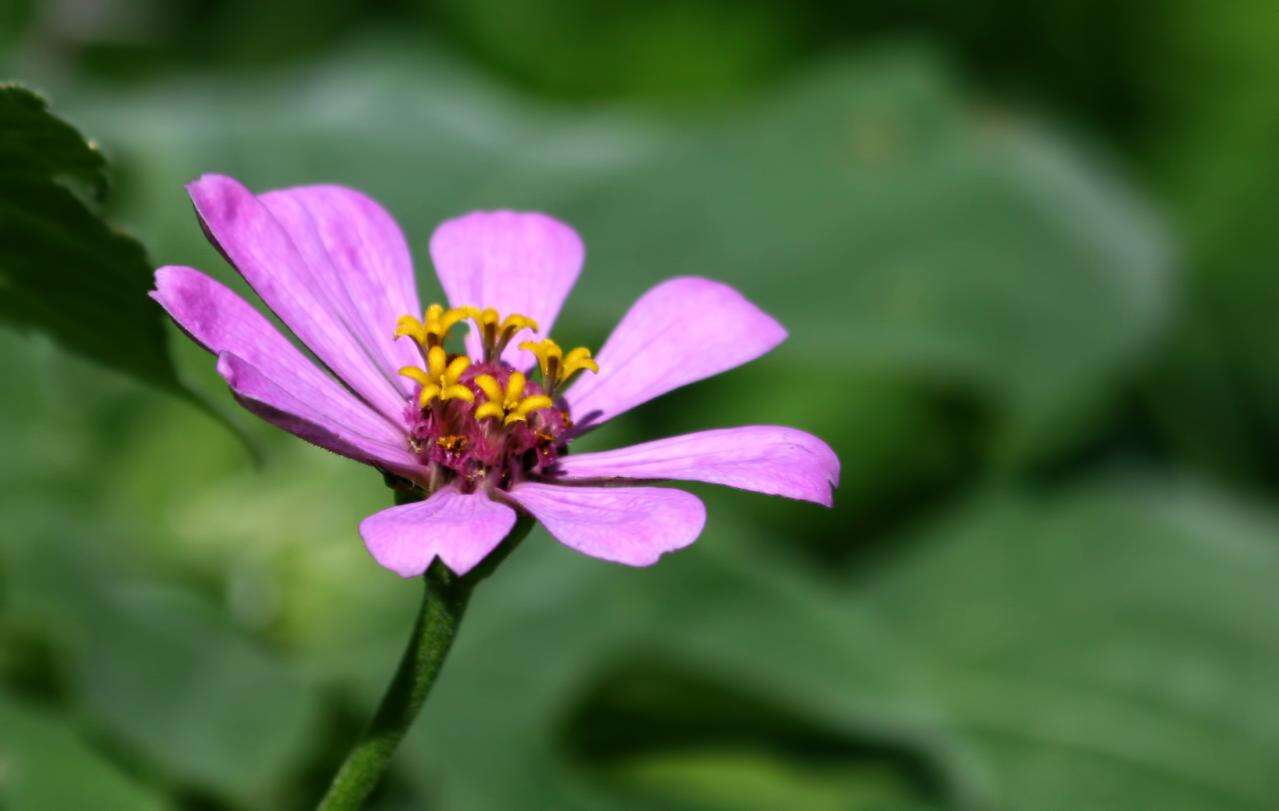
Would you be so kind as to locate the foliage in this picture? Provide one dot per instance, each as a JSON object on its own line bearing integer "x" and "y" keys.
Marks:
{"x": 1030, "y": 594}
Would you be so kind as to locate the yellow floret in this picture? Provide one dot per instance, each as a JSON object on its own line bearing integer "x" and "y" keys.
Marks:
{"x": 556, "y": 367}
{"x": 509, "y": 405}
{"x": 496, "y": 332}
{"x": 434, "y": 327}
{"x": 439, "y": 380}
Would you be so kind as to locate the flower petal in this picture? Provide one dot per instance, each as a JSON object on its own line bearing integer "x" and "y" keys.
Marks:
{"x": 459, "y": 529}
{"x": 631, "y": 525}
{"x": 514, "y": 262}
{"x": 227, "y": 325}
{"x": 299, "y": 416}
{"x": 299, "y": 289}
{"x": 221, "y": 321}
{"x": 769, "y": 459}
{"x": 681, "y": 331}
{"x": 372, "y": 279}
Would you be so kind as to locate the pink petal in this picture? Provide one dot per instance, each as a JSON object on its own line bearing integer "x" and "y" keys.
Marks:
{"x": 311, "y": 421}
{"x": 299, "y": 289}
{"x": 371, "y": 280}
{"x": 631, "y": 525}
{"x": 511, "y": 261}
{"x": 221, "y": 322}
{"x": 460, "y": 530}
{"x": 769, "y": 459}
{"x": 679, "y": 332}
{"x": 286, "y": 387}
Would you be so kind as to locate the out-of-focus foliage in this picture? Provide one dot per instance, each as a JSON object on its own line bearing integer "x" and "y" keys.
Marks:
{"x": 1217, "y": 393}
{"x": 993, "y": 663}
{"x": 48, "y": 766}
{"x": 1030, "y": 594}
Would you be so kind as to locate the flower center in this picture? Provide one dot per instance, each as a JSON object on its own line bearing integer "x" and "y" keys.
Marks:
{"x": 484, "y": 423}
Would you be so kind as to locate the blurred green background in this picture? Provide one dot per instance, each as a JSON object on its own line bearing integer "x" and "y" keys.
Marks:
{"x": 1027, "y": 257}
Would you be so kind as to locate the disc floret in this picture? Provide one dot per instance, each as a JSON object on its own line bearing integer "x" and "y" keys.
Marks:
{"x": 484, "y": 423}
{"x": 439, "y": 381}
{"x": 508, "y": 404}
{"x": 557, "y": 367}
{"x": 433, "y": 328}
{"x": 496, "y": 332}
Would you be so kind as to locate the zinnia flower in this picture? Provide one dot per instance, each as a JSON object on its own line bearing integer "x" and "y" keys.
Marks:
{"x": 475, "y": 434}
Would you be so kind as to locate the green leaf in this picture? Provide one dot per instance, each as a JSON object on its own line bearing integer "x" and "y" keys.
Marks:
{"x": 1112, "y": 647}
{"x": 37, "y": 143}
{"x": 63, "y": 270}
{"x": 769, "y": 670}
{"x": 1216, "y": 397}
{"x": 656, "y": 50}
{"x": 45, "y": 764}
{"x": 671, "y": 732}
{"x": 160, "y": 671}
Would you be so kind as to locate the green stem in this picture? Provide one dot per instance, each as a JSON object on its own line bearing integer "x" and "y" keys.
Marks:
{"x": 443, "y": 603}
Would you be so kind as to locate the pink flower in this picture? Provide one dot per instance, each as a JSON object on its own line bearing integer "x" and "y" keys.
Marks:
{"x": 473, "y": 432}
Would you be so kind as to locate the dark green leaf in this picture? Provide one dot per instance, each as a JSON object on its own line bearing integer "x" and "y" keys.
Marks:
{"x": 63, "y": 270}
{"x": 35, "y": 142}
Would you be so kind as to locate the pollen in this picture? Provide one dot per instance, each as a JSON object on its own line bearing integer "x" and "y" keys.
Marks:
{"x": 452, "y": 443}
{"x": 439, "y": 381}
{"x": 434, "y": 327}
{"x": 556, "y": 366}
{"x": 508, "y": 405}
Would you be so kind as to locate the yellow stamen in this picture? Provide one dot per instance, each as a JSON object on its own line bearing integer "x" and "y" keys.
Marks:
{"x": 436, "y": 362}
{"x": 456, "y": 366}
{"x": 440, "y": 378}
{"x": 489, "y": 410}
{"x": 527, "y": 406}
{"x": 496, "y": 332}
{"x": 414, "y": 373}
{"x": 490, "y": 388}
{"x": 434, "y": 327}
{"x": 548, "y": 355}
{"x": 457, "y": 392}
{"x": 510, "y": 405}
{"x": 410, "y": 326}
{"x": 577, "y": 360}
{"x": 515, "y": 385}
{"x": 556, "y": 367}
{"x": 428, "y": 393}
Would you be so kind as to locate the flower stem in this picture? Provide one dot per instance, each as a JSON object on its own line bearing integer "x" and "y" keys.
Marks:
{"x": 443, "y": 602}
